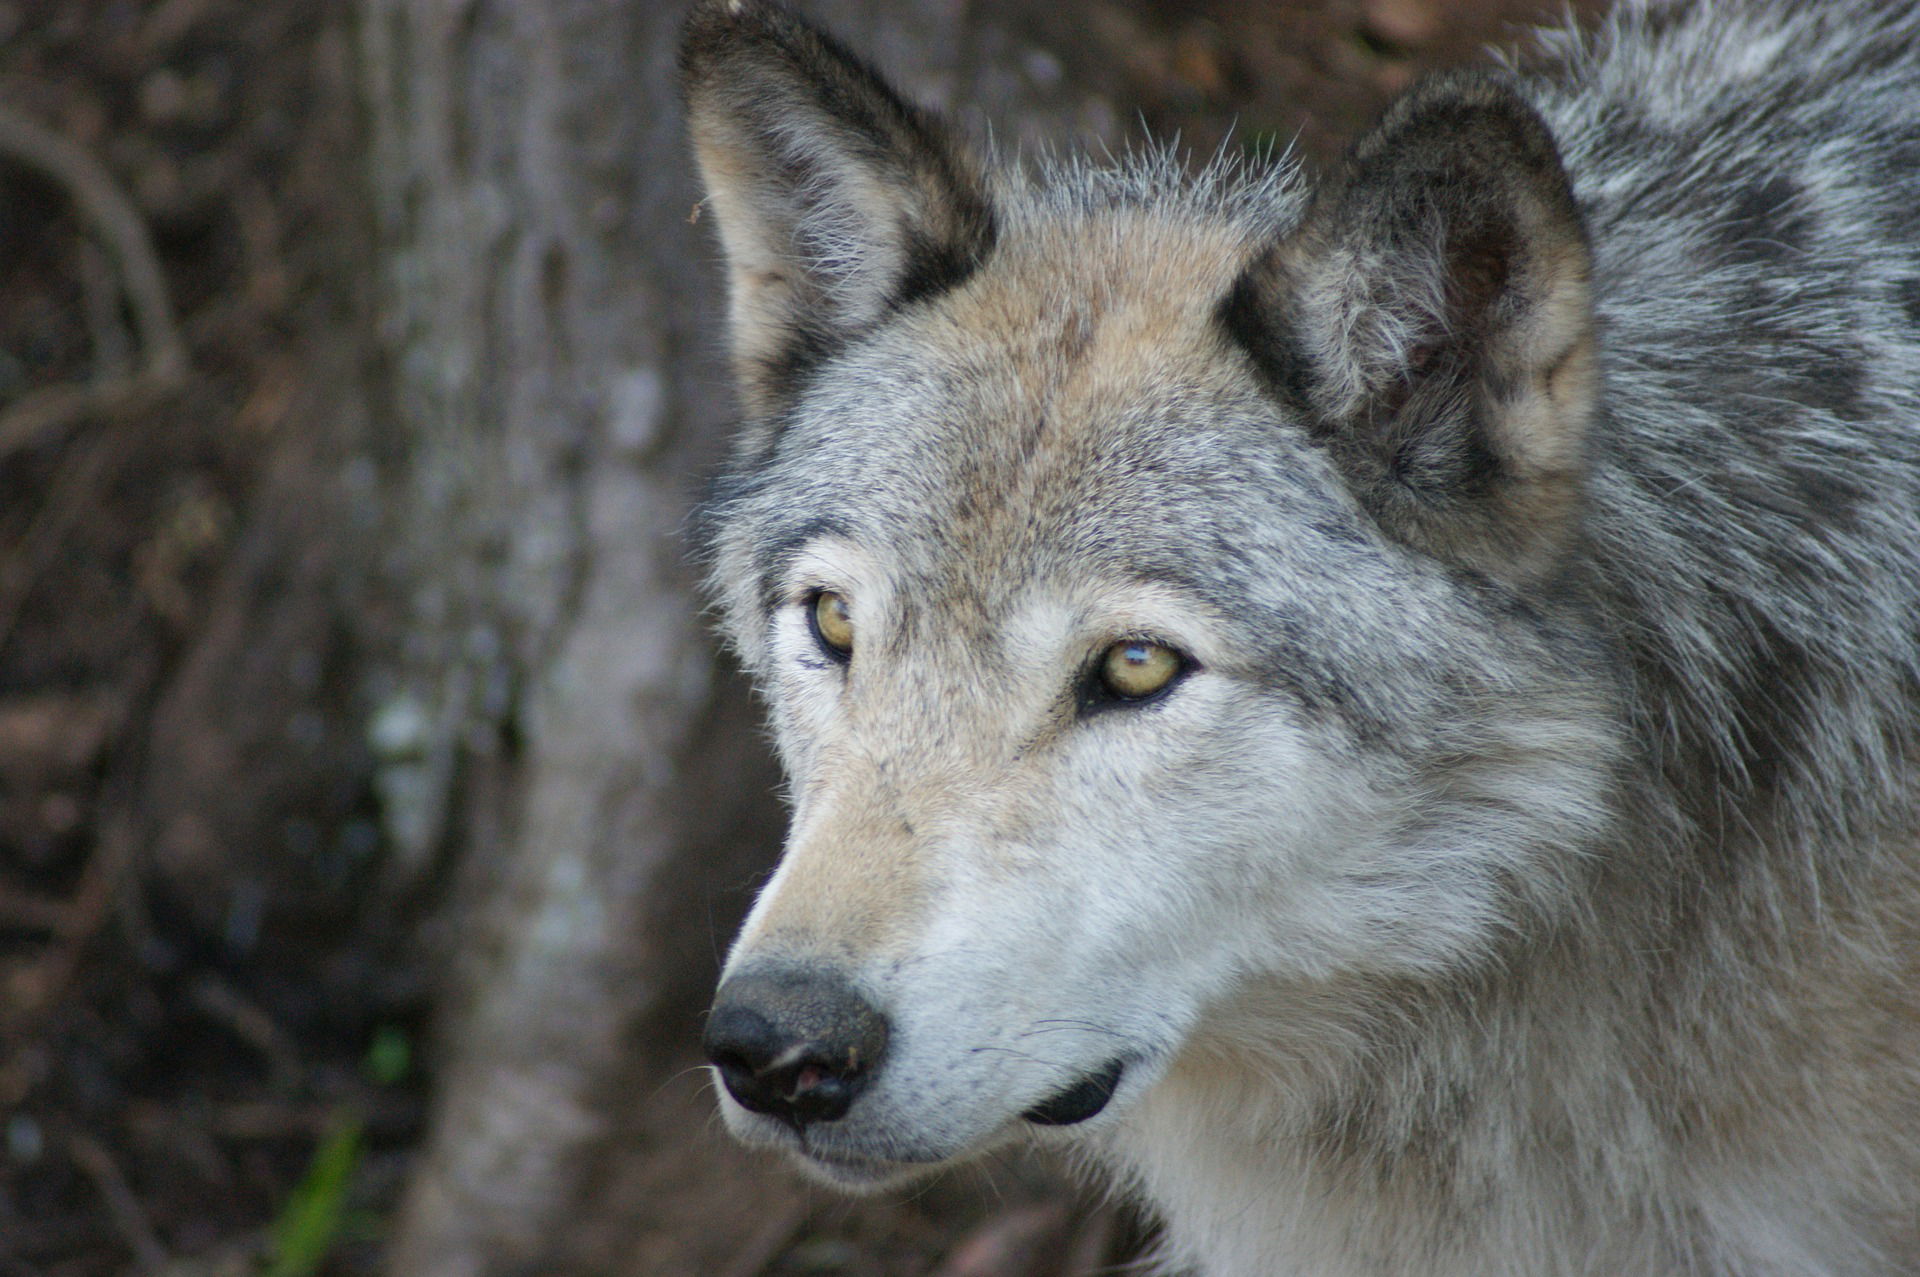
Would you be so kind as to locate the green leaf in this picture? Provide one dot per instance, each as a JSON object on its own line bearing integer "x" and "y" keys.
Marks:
{"x": 310, "y": 1223}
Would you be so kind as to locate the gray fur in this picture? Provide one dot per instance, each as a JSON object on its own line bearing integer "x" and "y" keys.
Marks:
{"x": 1614, "y": 963}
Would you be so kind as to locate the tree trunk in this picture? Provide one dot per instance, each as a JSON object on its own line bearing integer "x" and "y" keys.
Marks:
{"x": 554, "y": 675}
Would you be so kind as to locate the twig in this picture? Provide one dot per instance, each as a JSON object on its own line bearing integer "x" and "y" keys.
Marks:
{"x": 112, "y": 343}
{"x": 253, "y": 1026}
{"x": 260, "y": 234}
{"x": 40, "y": 412}
{"x": 117, "y": 224}
{"x": 128, "y": 1215}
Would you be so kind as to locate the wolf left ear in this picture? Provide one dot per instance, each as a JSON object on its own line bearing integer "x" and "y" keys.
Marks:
{"x": 836, "y": 200}
{"x": 1430, "y": 318}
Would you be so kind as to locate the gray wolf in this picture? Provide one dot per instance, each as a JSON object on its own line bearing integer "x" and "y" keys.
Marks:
{"x": 1380, "y": 711}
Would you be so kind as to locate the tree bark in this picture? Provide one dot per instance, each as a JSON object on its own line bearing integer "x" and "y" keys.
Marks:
{"x": 554, "y": 674}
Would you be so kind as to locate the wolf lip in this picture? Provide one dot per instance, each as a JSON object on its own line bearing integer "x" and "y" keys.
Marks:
{"x": 1081, "y": 1100}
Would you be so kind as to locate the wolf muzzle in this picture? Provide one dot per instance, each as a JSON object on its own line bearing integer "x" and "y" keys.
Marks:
{"x": 794, "y": 1043}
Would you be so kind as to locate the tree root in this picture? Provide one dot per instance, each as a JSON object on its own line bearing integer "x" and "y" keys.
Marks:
{"x": 112, "y": 218}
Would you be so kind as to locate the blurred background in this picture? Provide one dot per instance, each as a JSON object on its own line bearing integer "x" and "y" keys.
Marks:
{"x": 374, "y": 804}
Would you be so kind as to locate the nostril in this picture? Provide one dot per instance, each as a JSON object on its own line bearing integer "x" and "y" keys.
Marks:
{"x": 815, "y": 1088}
{"x": 737, "y": 1071}
{"x": 795, "y": 1044}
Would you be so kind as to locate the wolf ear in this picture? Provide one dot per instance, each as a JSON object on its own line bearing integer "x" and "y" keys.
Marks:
{"x": 1430, "y": 318}
{"x": 835, "y": 199}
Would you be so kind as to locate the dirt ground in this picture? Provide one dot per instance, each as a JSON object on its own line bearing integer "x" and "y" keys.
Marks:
{"x": 206, "y": 1006}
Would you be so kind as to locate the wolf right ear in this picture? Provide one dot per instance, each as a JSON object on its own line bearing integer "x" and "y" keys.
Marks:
{"x": 835, "y": 199}
{"x": 1431, "y": 321}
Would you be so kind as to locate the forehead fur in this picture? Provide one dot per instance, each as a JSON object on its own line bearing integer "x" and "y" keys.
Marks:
{"x": 1068, "y": 370}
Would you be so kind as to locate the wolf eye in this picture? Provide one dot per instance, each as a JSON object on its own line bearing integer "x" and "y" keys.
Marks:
{"x": 832, "y": 623}
{"x": 1135, "y": 669}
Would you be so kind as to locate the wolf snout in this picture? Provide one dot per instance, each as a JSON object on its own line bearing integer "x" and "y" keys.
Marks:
{"x": 794, "y": 1043}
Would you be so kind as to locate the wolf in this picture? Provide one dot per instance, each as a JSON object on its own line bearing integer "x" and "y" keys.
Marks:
{"x": 1381, "y": 711}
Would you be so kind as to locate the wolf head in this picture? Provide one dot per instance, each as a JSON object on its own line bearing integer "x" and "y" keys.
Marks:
{"x": 1153, "y": 582}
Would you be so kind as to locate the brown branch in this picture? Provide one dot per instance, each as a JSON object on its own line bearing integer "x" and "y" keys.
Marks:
{"x": 113, "y": 345}
{"x": 35, "y": 414}
{"x": 128, "y": 1215}
{"x": 253, "y": 1026}
{"x": 112, "y": 218}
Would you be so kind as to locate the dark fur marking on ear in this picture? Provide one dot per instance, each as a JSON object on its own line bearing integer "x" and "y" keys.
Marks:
{"x": 935, "y": 268}
{"x": 1480, "y": 262}
{"x": 933, "y": 265}
{"x": 791, "y": 367}
{"x": 1446, "y": 464}
{"x": 1277, "y": 357}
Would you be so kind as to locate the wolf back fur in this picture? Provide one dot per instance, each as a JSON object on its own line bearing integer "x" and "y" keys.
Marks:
{"x": 1521, "y": 873}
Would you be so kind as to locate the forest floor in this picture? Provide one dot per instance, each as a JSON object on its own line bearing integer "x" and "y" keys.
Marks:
{"x": 195, "y": 998}
{"x": 210, "y": 1017}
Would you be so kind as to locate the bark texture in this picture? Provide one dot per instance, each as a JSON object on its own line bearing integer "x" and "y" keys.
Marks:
{"x": 554, "y": 676}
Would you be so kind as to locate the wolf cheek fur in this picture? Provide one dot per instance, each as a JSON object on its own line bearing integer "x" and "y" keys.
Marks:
{"x": 1509, "y": 863}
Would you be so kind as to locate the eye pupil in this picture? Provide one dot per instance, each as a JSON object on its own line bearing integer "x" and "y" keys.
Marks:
{"x": 832, "y": 622}
{"x": 1136, "y": 668}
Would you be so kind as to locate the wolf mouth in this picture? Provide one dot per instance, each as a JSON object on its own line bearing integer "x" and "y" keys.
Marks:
{"x": 1080, "y": 1101}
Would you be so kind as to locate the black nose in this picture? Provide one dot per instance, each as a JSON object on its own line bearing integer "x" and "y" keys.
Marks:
{"x": 794, "y": 1043}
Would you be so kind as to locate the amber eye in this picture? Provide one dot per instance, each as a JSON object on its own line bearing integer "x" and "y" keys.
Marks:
{"x": 1136, "y": 669}
{"x": 832, "y": 622}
